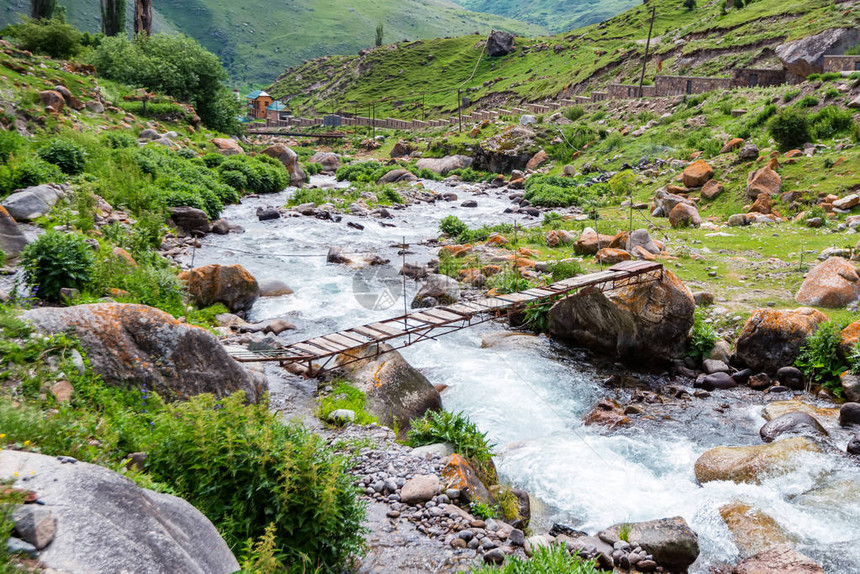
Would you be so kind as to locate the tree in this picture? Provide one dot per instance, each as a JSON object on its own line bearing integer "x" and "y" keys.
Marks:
{"x": 143, "y": 17}
{"x": 113, "y": 17}
{"x": 42, "y": 9}
{"x": 690, "y": 4}
{"x": 380, "y": 29}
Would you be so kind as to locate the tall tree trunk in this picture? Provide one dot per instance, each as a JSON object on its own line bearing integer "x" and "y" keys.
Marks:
{"x": 40, "y": 9}
{"x": 143, "y": 17}
{"x": 113, "y": 17}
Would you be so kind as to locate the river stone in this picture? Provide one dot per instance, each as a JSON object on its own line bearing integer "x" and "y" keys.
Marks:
{"x": 778, "y": 408}
{"x": 441, "y": 450}
{"x": 273, "y": 288}
{"x": 507, "y": 151}
{"x": 106, "y": 523}
{"x": 718, "y": 380}
{"x": 752, "y": 464}
{"x": 33, "y": 202}
{"x": 854, "y": 445}
{"x": 442, "y": 288}
{"x": 778, "y": 560}
{"x": 420, "y": 489}
{"x": 190, "y": 221}
{"x": 446, "y": 164}
{"x": 849, "y": 414}
{"x": 751, "y": 529}
{"x": 532, "y": 543}
{"x": 231, "y": 285}
{"x": 329, "y": 161}
{"x": 833, "y": 283}
{"x": 12, "y": 240}
{"x": 791, "y": 424}
{"x": 396, "y": 392}
{"x": 772, "y": 338}
{"x": 671, "y": 541}
{"x": 143, "y": 347}
{"x": 712, "y": 366}
{"x": 458, "y": 473}
{"x": 791, "y": 377}
{"x": 641, "y": 238}
{"x": 34, "y": 524}
{"x": 648, "y": 322}
{"x": 397, "y": 176}
{"x": 290, "y": 159}
{"x": 851, "y": 387}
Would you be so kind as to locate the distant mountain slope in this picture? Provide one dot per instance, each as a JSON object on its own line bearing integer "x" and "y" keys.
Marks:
{"x": 555, "y": 15}
{"x": 703, "y": 41}
{"x": 257, "y": 39}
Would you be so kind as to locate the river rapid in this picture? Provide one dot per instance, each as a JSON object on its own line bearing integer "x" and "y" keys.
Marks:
{"x": 529, "y": 394}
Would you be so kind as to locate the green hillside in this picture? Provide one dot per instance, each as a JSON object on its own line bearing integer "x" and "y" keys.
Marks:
{"x": 555, "y": 15}
{"x": 257, "y": 39}
{"x": 703, "y": 41}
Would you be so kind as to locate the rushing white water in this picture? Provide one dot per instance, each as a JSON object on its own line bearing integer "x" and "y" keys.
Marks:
{"x": 529, "y": 394}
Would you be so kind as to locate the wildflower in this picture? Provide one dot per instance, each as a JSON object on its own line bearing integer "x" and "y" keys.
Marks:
{"x": 15, "y": 474}
{"x": 2, "y": 436}
{"x": 26, "y": 443}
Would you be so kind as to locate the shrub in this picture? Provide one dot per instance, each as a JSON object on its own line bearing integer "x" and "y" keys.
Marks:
{"x": 51, "y": 36}
{"x": 554, "y": 559}
{"x": 819, "y": 358}
{"x": 118, "y": 140}
{"x": 452, "y": 226}
{"x": 345, "y": 396}
{"x": 574, "y": 113}
{"x": 66, "y": 155}
{"x": 312, "y": 168}
{"x": 28, "y": 172}
{"x": 553, "y": 191}
{"x": 831, "y": 93}
{"x": 390, "y": 195}
{"x": 831, "y": 121}
{"x": 562, "y": 270}
{"x": 482, "y": 510}
{"x": 456, "y": 428}
{"x": 259, "y": 175}
{"x": 765, "y": 114}
{"x": 536, "y": 317}
{"x": 830, "y": 76}
{"x": 57, "y": 260}
{"x": 470, "y": 175}
{"x": 702, "y": 339}
{"x": 807, "y": 102}
{"x": 212, "y": 160}
{"x": 10, "y": 142}
{"x": 362, "y": 172}
{"x": 790, "y": 129}
{"x": 790, "y": 95}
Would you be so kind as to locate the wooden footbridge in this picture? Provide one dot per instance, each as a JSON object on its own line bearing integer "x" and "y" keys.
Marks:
{"x": 321, "y": 353}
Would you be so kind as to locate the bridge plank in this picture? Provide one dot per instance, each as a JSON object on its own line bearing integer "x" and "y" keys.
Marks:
{"x": 428, "y": 318}
{"x": 342, "y": 340}
{"x": 370, "y": 333}
{"x": 517, "y": 297}
{"x": 465, "y": 309}
{"x": 442, "y": 314}
{"x": 355, "y": 337}
{"x": 328, "y": 345}
{"x": 387, "y": 329}
{"x": 309, "y": 349}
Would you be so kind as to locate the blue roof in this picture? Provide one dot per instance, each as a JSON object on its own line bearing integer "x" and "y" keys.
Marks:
{"x": 254, "y": 95}
{"x": 277, "y": 107}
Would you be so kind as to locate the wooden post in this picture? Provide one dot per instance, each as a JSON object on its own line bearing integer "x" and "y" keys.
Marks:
{"x": 143, "y": 17}
{"x": 647, "y": 46}
{"x": 459, "y": 110}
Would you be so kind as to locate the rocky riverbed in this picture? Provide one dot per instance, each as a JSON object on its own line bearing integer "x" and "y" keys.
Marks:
{"x": 594, "y": 443}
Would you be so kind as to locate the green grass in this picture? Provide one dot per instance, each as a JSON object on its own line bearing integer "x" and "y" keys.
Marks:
{"x": 556, "y": 16}
{"x": 554, "y": 559}
{"x": 345, "y": 396}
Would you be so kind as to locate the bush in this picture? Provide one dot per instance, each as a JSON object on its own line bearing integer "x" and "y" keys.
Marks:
{"x": 553, "y": 559}
{"x": 702, "y": 339}
{"x": 345, "y": 396}
{"x": 831, "y": 121}
{"x": 257, "y": 175}
{"x": 390, "y": 195}
{"x": 470, "y": 175}
{"x": 362, "y": 172}
{"x": 456, "y": 428}
{"x": 266, "y": 474}
{"x": 312, "y": 168}
{"x": 553, "y": 191}
{"x": 66, "y": 155}
{"x": 790, "y": 129}
{"x": 761, "y": 118}
{"x": 562, "y": 270}
{"x": 807, "y": 102}
{"x": 28, "y": 172}
{"x": 452, "y": 226}
{"x": 574, "y": 113}
{"x": 10, "y": 143}
{"x": 819, "y": 358}
{"x": 118, "y": 140}
{"x": 55, "y": 261}
{"x": 52, "y": 37}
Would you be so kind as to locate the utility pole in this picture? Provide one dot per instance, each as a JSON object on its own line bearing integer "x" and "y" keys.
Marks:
{"x": 373, "y": 118}
{"x": 459, "y": 110}
{"x": 647, "y": 46}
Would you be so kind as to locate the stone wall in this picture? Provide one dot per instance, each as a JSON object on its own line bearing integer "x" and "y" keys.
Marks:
{"x": 681, "y": 85}
{"x": 627, "y": 91}
{"x": 842, "y": 63}
{"x": 751, "y": 77}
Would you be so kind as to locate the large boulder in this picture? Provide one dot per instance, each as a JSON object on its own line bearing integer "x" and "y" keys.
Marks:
{"x": 190, "y": 221}
{"x": 231, "y": 285}
{"x": 52, "y": 99}
{"x": 648, "y": 322}
{"x": 142, "y": 347}
{"x": 666, "y": 201}
{"x": 751, "y": 529}
{"x": 12, "y": 240}
{"x": 684, "y": 215}
{"x": 796, "y": 423}
{"x": 833, "y": 283}
{"x": 290, "y": 159}
{"x": 777, "y": 409}
{"x": 33, "y": 202}
{"x": 446, "y": 164}
{"x": 500, "y": 43}
{"x": 764, "y": 180}
{"x": 772, "y": 338}
{"x": 226, "y": 146}
{"x": 778, "y": 560}
{"x": 671, "y": 541}
{"x": 397, "y": 176}
{"x": 697, "y": 174}
{"x": 459, "y": 474}
{"x": 752, "y": 464}
{"x": 441, "y": 288}
{"x": 396, "y": 392}
{"x": 106, "y": 523}
{"x": 590, "y": 242}
{"x": 510, "y": 150}
{"x": 641, "y": 238}
{"x": 806, "y": 56}
{"x": 329, "y": 161}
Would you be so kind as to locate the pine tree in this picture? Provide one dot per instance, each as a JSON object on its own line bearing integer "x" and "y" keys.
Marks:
{"x": 113, "y": 17}
{"x": 380, "y": 29}
{"x": 42, "y": 9}
{"x": 143, "y": 17}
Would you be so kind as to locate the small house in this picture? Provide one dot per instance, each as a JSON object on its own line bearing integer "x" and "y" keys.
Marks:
{"x": 258, "y": 103}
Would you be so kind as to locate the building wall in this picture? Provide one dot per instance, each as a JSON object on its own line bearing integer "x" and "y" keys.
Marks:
{"x": 681, "y": 85}
{"x": 626, "y": 91}
{"x": 750, "y": 77}
{"x": 842, "y": 63}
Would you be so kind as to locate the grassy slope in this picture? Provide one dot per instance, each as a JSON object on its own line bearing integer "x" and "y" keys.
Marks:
{"x": 257, "y": 39}
{"x": 697, "y": 42}
{"x": 555, "y": 15}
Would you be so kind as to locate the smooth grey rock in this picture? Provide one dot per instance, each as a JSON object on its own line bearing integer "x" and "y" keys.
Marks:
{"x": 849, "y": 414}
{"x": 671, "y": 541}
{"x": 12, "y": 239}
{"x": 33, "y": 202}
{"x": 420, "y": 489}
{"x": 791, "y": 424}
{"x": 34, "y": 524}
{"x": 342, "y": 416}
{"x": 712, "y": 366}
{"x": 441, "y": 449}
{"x": 106, "y": 523}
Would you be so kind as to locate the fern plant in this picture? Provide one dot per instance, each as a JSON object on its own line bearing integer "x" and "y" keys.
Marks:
{"x": 702, "y": 339}
{"x": 819, "y": 359}
{"x": 456, "y": 428}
